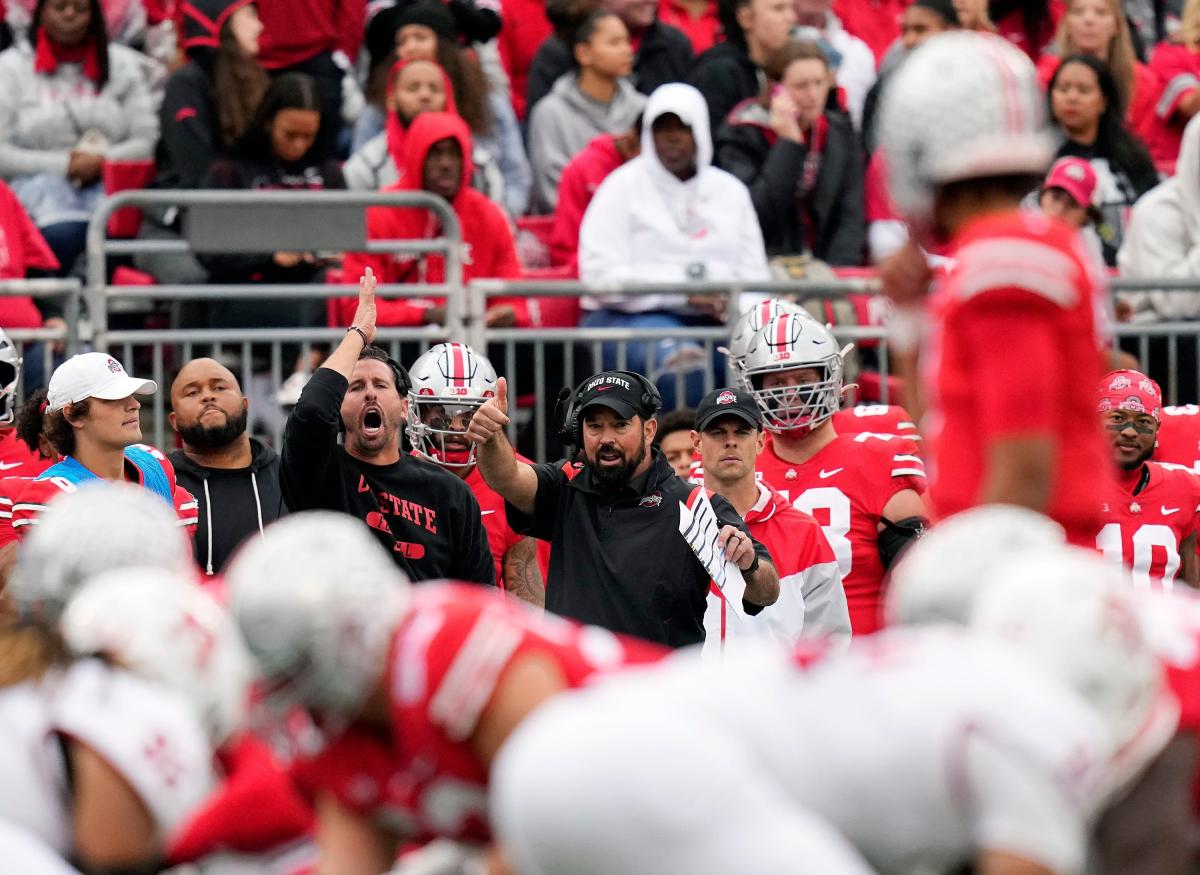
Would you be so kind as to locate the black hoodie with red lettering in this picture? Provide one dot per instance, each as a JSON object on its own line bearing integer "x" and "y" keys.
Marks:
{"x": 425, "y": 516}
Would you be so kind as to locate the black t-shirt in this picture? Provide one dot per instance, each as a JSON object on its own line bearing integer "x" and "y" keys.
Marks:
{"x": 619, "y": 562}
{"x": 426, "y": 517}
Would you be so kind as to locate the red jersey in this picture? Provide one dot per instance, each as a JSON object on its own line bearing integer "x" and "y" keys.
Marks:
{"x": 31, "y": 501}
{"x": 501, "y": 537}
{"x": 16, "y": 459}
{"x": 448, "y": 656}
{"x": 1178, "y": 70}
{"x": 1013, "y": 349}
{"x": 1179, "y": 437}
{"x": 877, "y": 419}
{"x": 1145, "y": 527}
{"x": 845, "y": 486}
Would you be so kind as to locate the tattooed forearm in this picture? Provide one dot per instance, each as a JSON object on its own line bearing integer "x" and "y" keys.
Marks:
{"x": 522, "y": 575}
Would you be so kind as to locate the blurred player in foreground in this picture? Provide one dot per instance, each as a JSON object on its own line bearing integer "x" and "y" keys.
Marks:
{"x": 1152, "y": 514}
{"x": 991, "y": 748}
{"x": 1010, "y": 340}
{"x": 414, "y": 689}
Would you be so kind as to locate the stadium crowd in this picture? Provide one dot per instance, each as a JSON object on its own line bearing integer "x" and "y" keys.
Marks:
{"x": 776, "y": 632}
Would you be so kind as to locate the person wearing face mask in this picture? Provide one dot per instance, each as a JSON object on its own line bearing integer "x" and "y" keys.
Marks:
{"x": 800, "y": 160}
{"x": 69, "y": 102}
{"x": 416, "y": 87}
{"x": 424, "y": 516}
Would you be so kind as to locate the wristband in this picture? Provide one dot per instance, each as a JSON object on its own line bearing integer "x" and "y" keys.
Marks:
{"x": 361, "y": 334}
{"x": 753, "y": 566}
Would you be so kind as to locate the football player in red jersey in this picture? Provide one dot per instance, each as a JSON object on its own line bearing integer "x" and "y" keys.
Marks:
{"x": 864, "y": 489}
{"x": 449, "y": 383}
{"x": 1013, "y": 333}
{"x": 17, "y": 459}
{"x": 1152, "y": 515}
{"x": 439, "y": 675}
{"x": 1179, "y": 436}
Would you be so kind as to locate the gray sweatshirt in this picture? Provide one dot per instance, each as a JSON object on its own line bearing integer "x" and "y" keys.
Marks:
{"x": 564, "y": 122}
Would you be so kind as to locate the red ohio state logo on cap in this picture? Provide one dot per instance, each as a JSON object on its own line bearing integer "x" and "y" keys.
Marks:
{"x": 115, "y": 366}
{"x": 726, "y": 397}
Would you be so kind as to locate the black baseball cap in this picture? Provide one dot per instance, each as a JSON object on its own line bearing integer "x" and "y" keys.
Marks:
{"x": 728, "y": 402}
{"x": 617, "y": 391}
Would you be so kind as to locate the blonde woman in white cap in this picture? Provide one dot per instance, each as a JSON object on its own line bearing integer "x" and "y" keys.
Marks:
{"x": 92, "y": 420}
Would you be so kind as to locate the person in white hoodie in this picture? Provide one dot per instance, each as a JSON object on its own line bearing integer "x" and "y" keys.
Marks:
{"x": 668, "y": 216}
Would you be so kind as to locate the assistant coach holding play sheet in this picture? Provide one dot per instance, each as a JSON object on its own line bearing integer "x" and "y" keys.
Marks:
{"x": 423, "y": 515}
{"x": 617, "y": 558}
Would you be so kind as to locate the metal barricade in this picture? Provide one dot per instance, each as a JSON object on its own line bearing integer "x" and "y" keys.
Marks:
{"x": 49, "y": 343}
{"x": 538, "y": 362}
{"x": 269, "y": 221}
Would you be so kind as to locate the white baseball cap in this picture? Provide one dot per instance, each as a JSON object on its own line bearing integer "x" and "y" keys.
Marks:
{"x": 93, "y": 375}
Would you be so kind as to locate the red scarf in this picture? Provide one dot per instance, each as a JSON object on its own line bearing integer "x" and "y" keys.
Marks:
{"x": 808, "y": 178}
{"x": 50, "y": 54}
{"x": 397, "y": 133}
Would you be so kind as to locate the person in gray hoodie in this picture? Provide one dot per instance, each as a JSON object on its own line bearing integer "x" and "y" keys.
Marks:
{"x": 234, "y": 477}
{"x": 595, "y": 98}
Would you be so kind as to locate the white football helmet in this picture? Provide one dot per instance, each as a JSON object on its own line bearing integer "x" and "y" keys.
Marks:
{"x": 316, "y": 599}
{"x": 790, "y": 342}
{"x": 1074, "y": 614}
{"x": 166, "y": 628}
{"x": 938, "y": 577}
{"x": 101, "y": 527}
{"x": 10, "y": 373}
{"x": 747, "y": 326}
{"x": 448, "y": 380}
{"x": 964, "y": 105}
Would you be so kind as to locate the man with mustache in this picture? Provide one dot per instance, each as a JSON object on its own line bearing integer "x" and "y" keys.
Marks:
{"x": 617, "y": 557}
{"x": 1151, "y": 515}
{"x": 424, "y": 516}
{"x": 235, "y": 477}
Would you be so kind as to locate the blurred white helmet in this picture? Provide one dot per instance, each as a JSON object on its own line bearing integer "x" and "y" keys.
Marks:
{"x": 791, "y": 342}
{"x": 316, "y": 599}
{"x": 749, "y": 324}
{"x": 964, "y": 105}
{"x": 938, "y": 577}
{"x": 167, "y": 629}
{"x": 448, "y": 380}
{"x": 10, "y": 373}
{"x": 1074, "y": 615}
{"x": 101, "y": 527}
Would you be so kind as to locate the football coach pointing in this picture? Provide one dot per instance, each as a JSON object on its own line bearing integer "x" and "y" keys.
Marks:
{"x": 617, "y": 558}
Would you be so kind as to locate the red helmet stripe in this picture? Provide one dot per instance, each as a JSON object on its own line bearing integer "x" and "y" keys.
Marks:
{"x": 458, "y": 371}
{"x": 781, "y": 329}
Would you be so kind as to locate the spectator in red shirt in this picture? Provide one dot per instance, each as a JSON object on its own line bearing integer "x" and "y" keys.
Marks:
{"x": 439, "y": 161}
{"x": 1027, "y": 24}
{"x": 580, "y": 179}
{"x": 875, "y": 22}
{"x": 22, "y": 247}
{"x": 1099, "y": 28}
{"x": 1177, "y": 64}
{"x": 524, "y": 30}
{"x": 697, "y": 19}
{"x": 1015, "y": 331}
{"x": 319, "y": 38}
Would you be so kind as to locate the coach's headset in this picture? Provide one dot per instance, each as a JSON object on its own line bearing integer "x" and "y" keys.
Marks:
{"x": 567, "y": 410}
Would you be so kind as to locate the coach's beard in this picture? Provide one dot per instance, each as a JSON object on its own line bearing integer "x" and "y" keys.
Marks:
{"x": 612, "y": 477}
{"x": 219, "y": 436}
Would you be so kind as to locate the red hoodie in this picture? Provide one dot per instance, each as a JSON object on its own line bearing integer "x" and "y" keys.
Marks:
{"x": 524, "y": 30}
{"x": 21, "y": 247}
{"x": 487, "y": 240}
{"x": 580, "y": 179}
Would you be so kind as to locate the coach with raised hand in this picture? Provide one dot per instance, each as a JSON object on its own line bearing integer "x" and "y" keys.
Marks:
{"x": 617, "y": 558}
{"x": 425, "y": 516}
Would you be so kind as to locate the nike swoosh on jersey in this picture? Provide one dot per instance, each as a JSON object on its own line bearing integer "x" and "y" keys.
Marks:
{"x": 485, "y": 512}
{"x": 1167, "y": 511}
{"x": 825, "y": 475}
{"x": 4, "y": 466}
